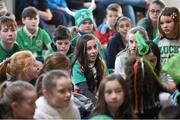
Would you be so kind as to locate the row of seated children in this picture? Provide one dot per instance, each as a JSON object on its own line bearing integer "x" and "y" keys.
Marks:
{"x": 89, "y": 66}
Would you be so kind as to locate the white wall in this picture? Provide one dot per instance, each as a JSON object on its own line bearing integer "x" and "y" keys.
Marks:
{"x": 173, "y": 3}
{"x": 10, "y": 5}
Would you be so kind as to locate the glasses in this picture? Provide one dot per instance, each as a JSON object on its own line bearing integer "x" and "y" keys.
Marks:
{"x": 155, "y": 11}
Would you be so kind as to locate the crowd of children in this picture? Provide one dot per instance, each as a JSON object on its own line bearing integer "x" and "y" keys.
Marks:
{"x": 117, "y": 70}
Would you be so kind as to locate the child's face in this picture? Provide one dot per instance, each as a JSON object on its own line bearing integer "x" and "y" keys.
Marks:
{"x": 63, "y": 45}
{"x": 60, "y": 95}
{"x": 167, "y": 25}
{"x": 8, "y": 34}
{"x": 92, "y": 50}
{"x": 154, "y": 11}
{"x": 114, "y": 95}
{"x": 132, "y": 43}
{"x": 31, "y": 23}
{"x": 35, "y": 69}
{"x": 111, "y": 17}
{"x": 86, "y": 27}
{"x": 26, "y": 107}
{"x": 123, "y": 28}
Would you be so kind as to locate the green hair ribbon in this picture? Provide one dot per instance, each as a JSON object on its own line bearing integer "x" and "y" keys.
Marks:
{"x": 143, "y": 48}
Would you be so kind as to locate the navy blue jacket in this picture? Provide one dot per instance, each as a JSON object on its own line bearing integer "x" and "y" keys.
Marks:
{"x": 115, "y": 45}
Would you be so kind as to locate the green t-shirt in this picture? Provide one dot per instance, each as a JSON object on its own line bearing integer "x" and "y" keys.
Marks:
{"x": 5, "y": 54}
{"x": 35, "y": 44}
{"x": 144, "y": 23}
{"x": 78, "y": 76}
{"x": 168, "y": 47}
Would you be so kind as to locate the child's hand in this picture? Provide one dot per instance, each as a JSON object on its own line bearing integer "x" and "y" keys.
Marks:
{"x": 93, "y": 6}
{"x": 74, "y": 30}
{"x": 87, "y": 4}
{"x": 171, "y": 86}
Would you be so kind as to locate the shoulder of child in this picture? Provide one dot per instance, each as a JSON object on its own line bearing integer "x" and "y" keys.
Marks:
{"x": 156, "y": 40}
{"x": 103, "y": 28}
{"x": 122, "y": 53}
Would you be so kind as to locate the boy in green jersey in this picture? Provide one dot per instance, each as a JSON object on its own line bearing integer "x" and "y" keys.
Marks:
{"x": 30, "y": 36}
{"x": 8, "y": 30}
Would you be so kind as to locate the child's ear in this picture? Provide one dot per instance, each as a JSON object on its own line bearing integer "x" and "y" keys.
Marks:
{"x": 45, "y": 93}
{"x": 23, "y": 20}
{"x": 14, "y": 106}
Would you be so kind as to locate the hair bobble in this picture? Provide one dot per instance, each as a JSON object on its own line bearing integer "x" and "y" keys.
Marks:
{"x": 174, "y": 15}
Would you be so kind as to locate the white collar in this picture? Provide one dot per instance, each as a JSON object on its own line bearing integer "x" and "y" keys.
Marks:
{"x": 28, "y": 33}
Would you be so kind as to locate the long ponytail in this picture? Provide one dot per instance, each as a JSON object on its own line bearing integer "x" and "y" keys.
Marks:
{"x": 3, "y": 66}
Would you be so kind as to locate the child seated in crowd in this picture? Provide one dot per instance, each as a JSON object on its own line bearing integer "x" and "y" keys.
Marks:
{"x": 107, "y": 29}
{"x": 8, "y": 30}
{"x": 56, "y": 102}
{"x": 30, "y": 36}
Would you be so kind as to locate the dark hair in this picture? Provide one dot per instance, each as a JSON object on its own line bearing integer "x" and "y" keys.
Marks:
{"x": 29, "y": 12}
{"x": 156, "y": 51}
{"x": 149, "y": 26}
{"x": 5, "y": 111}
{"x": 143, "y": 83}
{"x": 174, "y": 13}
{"x": 170, "y": 112}
{"x": 124, "y": 110}
{"x": 81, "y": 54}
{"x": 62, "y": 33}
{"x": 121, "y": 18}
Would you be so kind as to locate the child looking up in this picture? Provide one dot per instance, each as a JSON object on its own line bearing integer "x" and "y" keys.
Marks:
{"x": 89, "y": 68}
